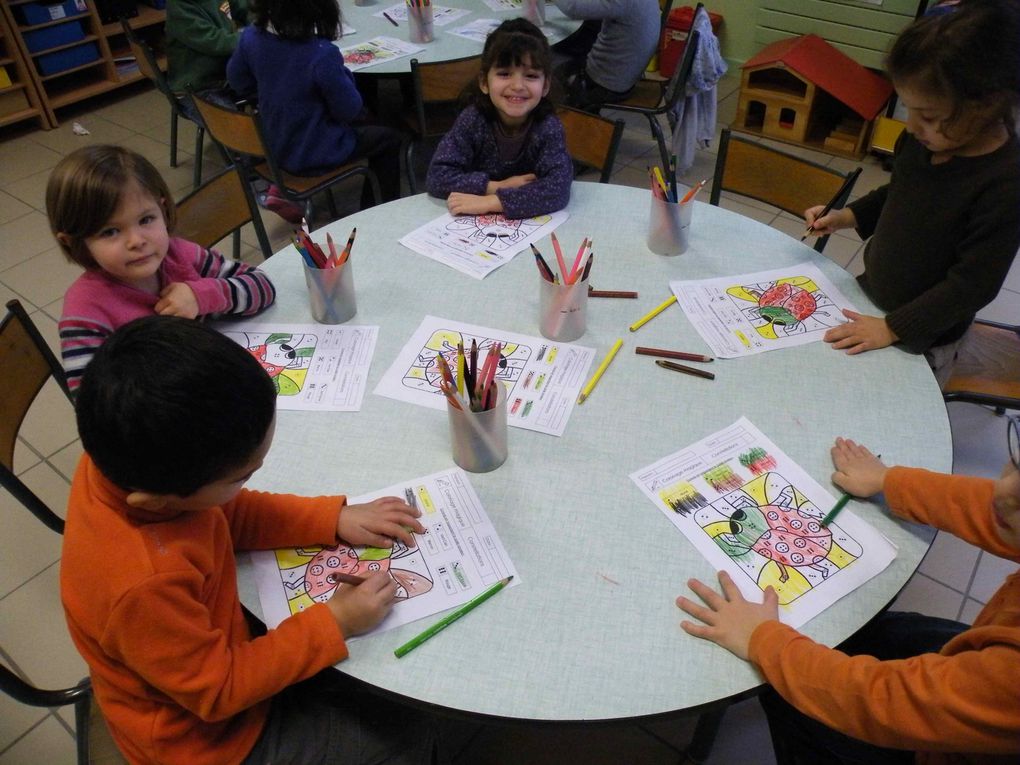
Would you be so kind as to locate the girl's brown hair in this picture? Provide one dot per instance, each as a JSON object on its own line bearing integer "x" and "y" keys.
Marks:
{"x": 515, "y": 42}
{"x": 85, "y": 188}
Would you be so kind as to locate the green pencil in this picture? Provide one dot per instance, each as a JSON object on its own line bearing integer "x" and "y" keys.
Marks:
{"x": 446, "y": 621}
{"x": 840, "y": 504}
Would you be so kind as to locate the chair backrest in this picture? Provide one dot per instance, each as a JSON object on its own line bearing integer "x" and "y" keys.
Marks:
{"x": 783, "y": 180}
{"x": 591, "y": 139}
{"x": 218, "y": 207}
{"x": 987, "y": 370}
{"x": 148, "y": 64}
{"x": 677, "y": 85}
{"x": 441, "y": 83}
{"x": 28, "y": 364}
{"x": 236, "y": 131}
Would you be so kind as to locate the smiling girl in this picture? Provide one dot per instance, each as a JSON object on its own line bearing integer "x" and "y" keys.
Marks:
{"x": 112, "y": 213}
{"x": 506, "y": 153}
{"x": 945, "y": 230}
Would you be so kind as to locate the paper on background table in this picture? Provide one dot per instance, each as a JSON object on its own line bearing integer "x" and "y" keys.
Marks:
{"x": 751, "y": 313}
{"x": 479, "y": 244}
{"x": 542, "y": 377}
{"x": 314, "y": 366}
{"x": 458, "y": 557}
{"x": 751, "y": 510}
{"x": 476, "y": 30}
{"x": 441, "y": 16}
{"x": 375, "y": 51}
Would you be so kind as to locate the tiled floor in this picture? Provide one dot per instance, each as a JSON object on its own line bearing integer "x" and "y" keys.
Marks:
{"x": 954, "y": 580}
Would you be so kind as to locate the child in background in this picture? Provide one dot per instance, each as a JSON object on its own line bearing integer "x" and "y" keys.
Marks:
{"x": 507, "y": 152}
{"x": 112, "y": 213}
{"x": 905, "y": 684}
{"x": 200, "y": 36}
{"x": 307, "y": 98}
{"x": 946, "y": 228}
{"x": 174, "y": 419}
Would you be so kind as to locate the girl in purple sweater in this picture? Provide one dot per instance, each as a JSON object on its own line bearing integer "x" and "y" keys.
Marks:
{"x": 112, "y": 213}
{"x": 507, "y": 152}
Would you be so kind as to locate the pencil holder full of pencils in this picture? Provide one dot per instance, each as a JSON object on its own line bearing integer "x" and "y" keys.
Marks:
{"x": 331, "y": 293}
{"x": 563, "y": 309}
{"x": 669, "y": 226}
{"x": 479, "y": 438}
{"x": 420, "y": 21}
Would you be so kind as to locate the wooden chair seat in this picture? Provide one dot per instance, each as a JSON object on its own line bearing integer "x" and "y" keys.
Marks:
{"x": 647, "y": 94}
{"x": 987, "y": 370}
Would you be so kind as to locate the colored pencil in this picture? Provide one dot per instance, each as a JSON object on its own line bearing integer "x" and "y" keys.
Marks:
{"x": 333, "y": 257}
{"x": 652, "y": 314}
{"x": 587, "y": 265}
{"x": 543, "y": 267}
{"x": 559, "y": 256}
{"x": 689, "y": 196}
{"x": 352, "y": 579}
{"x": 594, "y": 293}
{"x": 671, "y": 365}
{"x": 577, "y": 261}
{"x": 446, "y": 621}
{"x": 828, "y": 208}
{"x": 390, "y": 19}
{"x": 590, "y": 385}
{"x": 657, "y": 175}
{"x": 350, "y": 246}
{"x": 681, "y": 355}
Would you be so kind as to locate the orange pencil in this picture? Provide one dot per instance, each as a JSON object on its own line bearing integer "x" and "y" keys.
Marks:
{"x": 350, "y": 245}
{"x": 689, "y": 196}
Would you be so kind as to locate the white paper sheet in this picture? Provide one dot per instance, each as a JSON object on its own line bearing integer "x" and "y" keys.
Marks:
{"x": 751, "y": 313}
{"x": 477, "y": 30}
{"x": 375, "y": 51}
{"x": 751, "y": 510}
{"x": 458, "y": 557}
{"x": 314, "y": 366}
{"x": 542, "y": 377}
{"x": 441, "y": 16}
{"x": 479, "y": 244}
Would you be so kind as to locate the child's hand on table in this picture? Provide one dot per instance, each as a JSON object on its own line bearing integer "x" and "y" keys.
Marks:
{"x": 459, "y": 203}
{"x": 831, "y": 222}
{"x": 729, "y": 619}
{"x": 379, "y": 522}
{"x": 858, "y": 471}
{"x": 177, "y": 299}
{"x": 358, "y": 609}
{"x": 862, "y": 333}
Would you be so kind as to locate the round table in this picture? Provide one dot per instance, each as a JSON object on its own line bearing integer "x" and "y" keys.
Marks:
{"x": 445, "y": 46}
{"x": 592, "y": 632}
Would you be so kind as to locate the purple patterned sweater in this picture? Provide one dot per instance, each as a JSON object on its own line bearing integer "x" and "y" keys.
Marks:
{"x": 467, "y": 159}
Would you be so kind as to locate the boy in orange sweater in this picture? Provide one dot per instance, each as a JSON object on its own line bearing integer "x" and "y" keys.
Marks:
{"x": 907, "y": 687}
{"x": 174, "y": 418}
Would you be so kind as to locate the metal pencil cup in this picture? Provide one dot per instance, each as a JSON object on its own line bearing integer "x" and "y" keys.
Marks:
{"x": 669, "y": 226}
{"x": 331, "y": 293}
{"x": 419, "y": 23}
{"x": 478, "y": 439}
{"x": 563, "y": 309}
{"x": 534, "y": 11}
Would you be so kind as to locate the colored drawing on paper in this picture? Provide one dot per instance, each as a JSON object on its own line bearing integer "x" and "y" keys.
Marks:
{"x": 722, "y": 478}
{"x": 682, "y": 498}
{"x": 424, "y": 373}
{"x": 773, "y": 533}
{"x": 286, "y": 357}
{"x": 308, "y": 573}
{"x": 757, "y": 460}
{"x": 366, "y": 54}
{"x": 792, "y": 305}
{"x": 495, "y": 232}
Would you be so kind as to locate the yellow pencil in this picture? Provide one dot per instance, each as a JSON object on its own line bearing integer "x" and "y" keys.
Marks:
{"x": 652, "y": 314}
{"x": 587, "y": 389}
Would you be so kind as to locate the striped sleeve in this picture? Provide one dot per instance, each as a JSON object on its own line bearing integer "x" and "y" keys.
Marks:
{"x": 80, "y": 338}
{"x": 230, "y": 286}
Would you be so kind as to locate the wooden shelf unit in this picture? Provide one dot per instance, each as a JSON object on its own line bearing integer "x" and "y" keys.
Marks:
{"x": 48, "y": 92}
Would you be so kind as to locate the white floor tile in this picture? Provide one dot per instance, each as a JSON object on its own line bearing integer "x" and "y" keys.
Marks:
{"x": 48, "y": 742}
{"x": 991, "y": 573}
{"x": 926, "y": 596}
{"x": 950, "y": 561}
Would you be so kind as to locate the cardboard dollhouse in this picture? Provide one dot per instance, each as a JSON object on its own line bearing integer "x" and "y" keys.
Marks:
{"x": 803, "y": 90}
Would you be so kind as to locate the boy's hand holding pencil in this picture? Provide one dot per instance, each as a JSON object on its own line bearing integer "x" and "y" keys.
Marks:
{"x": 379, "y": 522}
{"x": 358, "y": 609}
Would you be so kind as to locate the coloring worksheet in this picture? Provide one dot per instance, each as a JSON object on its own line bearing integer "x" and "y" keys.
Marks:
{"x": 752, "y": 313}
{"x": 476, "y": 30}
{"x": 751, "y": 510}
{"x": 542, "y": 378}
{"x": 375, "y": 51}
{"x": 440, "y": 16}
{"x": 313, "y": 366}
{"x": 458, "y": 557}
{"x": 479, "y": 244}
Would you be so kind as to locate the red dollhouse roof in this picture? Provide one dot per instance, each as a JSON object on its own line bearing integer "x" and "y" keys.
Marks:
{"x": 831, "y": 70}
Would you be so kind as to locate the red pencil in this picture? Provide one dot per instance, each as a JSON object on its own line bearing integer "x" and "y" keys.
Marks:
{"x": 682, "y": 355}
{"x": 559, "y": 256}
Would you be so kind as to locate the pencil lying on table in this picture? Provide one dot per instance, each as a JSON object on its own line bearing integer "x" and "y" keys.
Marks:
{"x": 681, "y": 355}
{"x": 686, "y": 370}
{"x": 594, "y": 293}
{"x": 590, "y": 386}
{"x": 652, "y": 314}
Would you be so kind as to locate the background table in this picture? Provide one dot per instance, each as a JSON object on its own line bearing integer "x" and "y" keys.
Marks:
{"x": 592, "y": 632}
{"x": 445, "y": 46}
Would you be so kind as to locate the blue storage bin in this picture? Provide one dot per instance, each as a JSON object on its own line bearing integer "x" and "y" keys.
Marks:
{"x": 42, "y": 13}
{"x": 51, "y": 63}
{"x": 51, "y": 37}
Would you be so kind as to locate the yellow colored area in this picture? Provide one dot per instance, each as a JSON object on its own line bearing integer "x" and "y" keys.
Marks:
{"x": 742, "y": 337}
{"x": 678, "y": 491}
{"x": 757, "y": 490}
{"x": 788, "y": 591}
{"x": 839, "y": 556}
{"x": 291, "y": 381}
{"x": 300, "y": 602}
{"x": 291, "y": 558}
{"x": 425, "y": 500}
{"x": 717, "y": 528}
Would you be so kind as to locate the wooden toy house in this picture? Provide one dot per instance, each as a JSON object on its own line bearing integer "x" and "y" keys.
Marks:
{"x": 803, "y": 90}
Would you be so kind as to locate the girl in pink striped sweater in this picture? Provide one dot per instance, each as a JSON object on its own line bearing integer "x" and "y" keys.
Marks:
{"x": 112, "y": 213}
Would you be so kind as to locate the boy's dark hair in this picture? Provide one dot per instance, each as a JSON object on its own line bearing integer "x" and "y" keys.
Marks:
{"x": 169, "y": 405}
{"x": 513, "y": 43}
{"x": 970, "y": 56}
{"x": 299, "y": 19}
